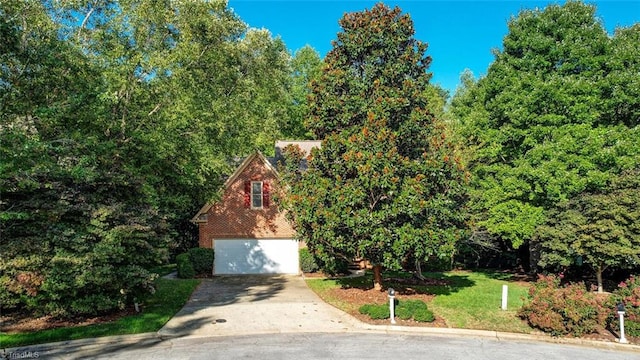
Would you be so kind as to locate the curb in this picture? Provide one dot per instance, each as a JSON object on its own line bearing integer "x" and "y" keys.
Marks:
{"x": 500, "y": 336}
{"x": 95, "y": 346}
{"x": 69, "y": 347}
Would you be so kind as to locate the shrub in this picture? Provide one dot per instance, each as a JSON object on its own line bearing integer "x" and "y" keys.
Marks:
{"x": 404, "y": 310}
{"x": 417, "y": 309}
{"x": 201, "y": 260}
{"x": 423, "y": 315}
{"x": 628, "y": 293}
{"x": 365, "y": 309}
{"x": 403, "y": 313}
{"x": 307, "y": 262}
{"x": 376, "y": 311}
{"x": 563, "y": 310}
{"x": 185, "y": 267}
{"x": 413, "y": 305}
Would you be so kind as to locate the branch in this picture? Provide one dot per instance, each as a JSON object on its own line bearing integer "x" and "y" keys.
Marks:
{"x": 86, "y": 18}
{"x": 155, "y": 109}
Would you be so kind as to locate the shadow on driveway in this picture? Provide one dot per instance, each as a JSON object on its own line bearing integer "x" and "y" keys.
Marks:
{"x": 254, "y": 304}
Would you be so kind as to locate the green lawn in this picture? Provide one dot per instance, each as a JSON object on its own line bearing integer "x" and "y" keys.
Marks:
{"x": 470, "y": 300}
{"x": 169, "y": 297}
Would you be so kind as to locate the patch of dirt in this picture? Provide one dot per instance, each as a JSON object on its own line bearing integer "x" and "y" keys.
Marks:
{"x": 21, "y": 323}
{"x": 600, "y": 335}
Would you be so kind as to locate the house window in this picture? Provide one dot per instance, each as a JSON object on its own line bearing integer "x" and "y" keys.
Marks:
{"x": 256, "y": 195}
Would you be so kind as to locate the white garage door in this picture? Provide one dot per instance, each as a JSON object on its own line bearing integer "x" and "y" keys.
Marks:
{"x": 256, "y": 256}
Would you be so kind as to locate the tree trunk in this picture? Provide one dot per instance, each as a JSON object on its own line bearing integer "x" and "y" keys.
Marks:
{"x": 534, "y": 257}
{"x": 377, "y": 277}
{"x": 418, "y": 273}
{"x": 599, "y": 279}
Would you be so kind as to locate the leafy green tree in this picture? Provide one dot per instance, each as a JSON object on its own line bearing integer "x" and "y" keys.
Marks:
{"x": 620, "y": 90}
{"x": 190, "y": 87}
{"x": 470, "y": 118}
{"x": 386, "y": 186}
{"x": 77, "y": 230}
{"x": 600, "y": 229}
{"x": 543, "y": 125}
{"x": 306, "y": 66}
{"x": 118, "y": 119}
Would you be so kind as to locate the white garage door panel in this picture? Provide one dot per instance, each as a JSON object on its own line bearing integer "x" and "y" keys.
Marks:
{"x": 256, "y": 256}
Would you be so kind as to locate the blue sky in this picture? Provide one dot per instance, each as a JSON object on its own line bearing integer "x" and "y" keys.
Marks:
{"x": 460, "y": 33}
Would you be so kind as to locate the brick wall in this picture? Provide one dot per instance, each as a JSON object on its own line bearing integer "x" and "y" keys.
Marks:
{"x": 230, "y": 219}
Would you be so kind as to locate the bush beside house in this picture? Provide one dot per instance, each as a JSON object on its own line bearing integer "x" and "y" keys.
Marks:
{"x": 185, "y": 267}
{"x": 307, "y": 262}
{"x": 202, "y": 260}
{"x": 197, "y": 261}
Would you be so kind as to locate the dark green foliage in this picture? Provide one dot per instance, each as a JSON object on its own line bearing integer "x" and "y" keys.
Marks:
{"x": 601, "y": 228}
{"x": 307, "y": 262}
{"x": 387, "y": 182}
{"x": 157, "y": 308}
{"x": 631, "y": 327}
{"x": 562, "y": 310}
{"x": 185, "y": 266}
{"x": 413, "y": 305}
{"x": 405, "y": 310}
{"x": 306, "y": 66}
{"x": 550, "y": 129}
{"x": 375, "y": 311}
{"x": 201, "y": 260}
{"x": 333, "y": 265}
{"x": 113, "y": 133}
{"x": 417, "y": 309}
{"x": 423, "y": 315}
{"x": 196, "y": 261}
{"x": 628, "y": 293}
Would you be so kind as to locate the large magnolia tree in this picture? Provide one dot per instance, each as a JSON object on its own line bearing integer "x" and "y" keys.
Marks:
{"x": 386, "y": 186}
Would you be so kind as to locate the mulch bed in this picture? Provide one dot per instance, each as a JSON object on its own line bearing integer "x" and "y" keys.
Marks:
{"x": 359, "y": 297}
{"x": 21, "y": 323}
{"x": 404, "y": 288}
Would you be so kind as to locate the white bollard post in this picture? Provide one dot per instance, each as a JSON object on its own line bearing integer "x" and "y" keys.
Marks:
{"x": 505, "y": 291}
{"x": 623, "y": 340}
{"x": 392, "y": 294}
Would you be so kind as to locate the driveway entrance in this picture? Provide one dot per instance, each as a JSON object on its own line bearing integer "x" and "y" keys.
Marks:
{"x": 256, "y": 304}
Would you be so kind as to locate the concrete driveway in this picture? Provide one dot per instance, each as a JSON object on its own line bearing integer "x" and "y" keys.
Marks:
{"x": 256, "y": 304}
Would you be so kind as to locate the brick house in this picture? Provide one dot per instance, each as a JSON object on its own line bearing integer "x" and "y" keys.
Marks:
{"x": 248, "y": 231}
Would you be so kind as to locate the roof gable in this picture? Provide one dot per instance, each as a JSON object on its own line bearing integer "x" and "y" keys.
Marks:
{"x": 256, "y": 155}
{"x": 243, "y": 166}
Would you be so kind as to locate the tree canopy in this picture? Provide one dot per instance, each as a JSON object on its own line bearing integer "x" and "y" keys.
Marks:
{"x": 118, "y": 119}
{"x": 555, "y": 119}
{"x": 386, "y": 185}
{"x": 306, "y": 66}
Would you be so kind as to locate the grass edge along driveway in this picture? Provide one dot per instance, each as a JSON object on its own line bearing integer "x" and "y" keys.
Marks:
{"x": 470, "y": 300}
{"x": 169, "y": 298}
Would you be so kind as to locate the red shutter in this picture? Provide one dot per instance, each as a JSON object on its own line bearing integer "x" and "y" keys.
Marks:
{"x": 266, "y": 197}
{"x": 247, "y": 194}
